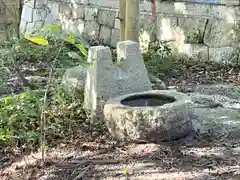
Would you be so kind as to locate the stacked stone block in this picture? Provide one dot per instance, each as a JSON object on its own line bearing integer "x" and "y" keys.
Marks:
{"x": 201, "y": 31}
{"x": 106, "y": 79}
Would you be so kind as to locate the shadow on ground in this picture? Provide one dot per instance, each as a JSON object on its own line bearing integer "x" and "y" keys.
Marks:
{"x": 189, "y": 158}
{"x": 199, "y": 160}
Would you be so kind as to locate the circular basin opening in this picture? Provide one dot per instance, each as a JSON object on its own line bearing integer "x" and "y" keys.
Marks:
{"x": 147, "y": 100}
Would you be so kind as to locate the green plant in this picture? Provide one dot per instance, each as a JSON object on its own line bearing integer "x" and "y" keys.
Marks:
{"x": 19, "y": 116}
{"x": 195, "y": 36}
{"x": 159, "y": 58}
{"x": 48, "y": 113}
{"x": 42, "y": 46}
{"x": 50, "y": 35}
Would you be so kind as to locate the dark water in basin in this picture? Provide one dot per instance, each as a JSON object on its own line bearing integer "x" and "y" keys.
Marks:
{"x": 147, "y": 100}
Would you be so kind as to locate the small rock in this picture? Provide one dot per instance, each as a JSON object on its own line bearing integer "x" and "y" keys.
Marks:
{"x": 228, "y": 90}
{"x": 231, "y": 105}
{"x": 205, "y": 100}
{"x": 218, "y": 122}
{"x": 171, "y": 87}
{"x": 48, "y": 177}
{"x": 36, "y": 79}
{"x": 74, "y": 78}
{"x": 236, "y": 150}
{"x": 157, "y": 83}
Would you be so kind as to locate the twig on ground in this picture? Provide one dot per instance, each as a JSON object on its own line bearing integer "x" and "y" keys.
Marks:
{"x": 76, "y": 164}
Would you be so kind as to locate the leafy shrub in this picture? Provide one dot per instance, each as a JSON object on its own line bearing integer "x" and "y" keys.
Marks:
{"x": 159, "y": 58}
{"x": 20, "y": 117}
{"x": 43, "y": 45}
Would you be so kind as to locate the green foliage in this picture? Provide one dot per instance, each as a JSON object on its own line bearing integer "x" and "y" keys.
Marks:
{"x": 68, "y": 112}
{"x": 159, "y": 58}
{"x": 43, "y": 46}
{"x": 20, "y": 117}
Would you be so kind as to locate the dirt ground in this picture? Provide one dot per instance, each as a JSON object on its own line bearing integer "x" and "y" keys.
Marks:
{"x": 191, "y": 158}
{"x": 186, "y": 159}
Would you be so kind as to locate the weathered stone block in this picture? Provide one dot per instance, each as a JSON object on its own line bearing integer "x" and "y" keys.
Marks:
{"x": 147, "y": 29}
{"x": 221, "y": 55}
{"x": 106, "y": 80}
{"x": 91, "y": 30}
{"x": 219, "y": 122}
{"x": 38, "y": 24}
{"x": 236, "y": 12}
{"x": 193, "y": 51}
{"x": 230, "y": 2}
{"x": 30, "y": 27}
{"x": 193, "y": 29}
{"x": 40, "y": 3}
{"x": 66, "y": 11}
{"x": 78, "y": 11}
{"x": 145, "y": 6}
{"x": 221, "y": 34}
{"x": 49, "y": 20}
{"x": 74, "y": 78}
{"x": 27, "y": 14}
{"x": 79, "y": 26}
{"x": 91, "y": 13}
{"x": 105, "y": 35}
{"x": 106, "y": 17}
{"x": 68, "y": 26}
{"x": 57, "y": 23}
{"x": 80, "y": 1}
{"x": 199, "y": 1}
{"x": 39, "y": 14}
{"x": 225, "y": 13}
{"x": 167, "y": 27}
{"x": 181, "y": 9}
{"x": 29, "y": 3}
{"x": 53, "y": 15}
{"x": 106, "y": 3}
{"x": 230, "y": 91}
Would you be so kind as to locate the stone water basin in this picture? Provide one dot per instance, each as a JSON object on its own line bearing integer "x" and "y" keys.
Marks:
{"x": 155, "y": 116}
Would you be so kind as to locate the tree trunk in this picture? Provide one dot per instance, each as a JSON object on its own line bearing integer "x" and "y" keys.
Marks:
{"x": 122, "y": 19}
{"x": 8, "y": 35}
{"x": 154, "y": 18}
{"x": 132, "y": 20}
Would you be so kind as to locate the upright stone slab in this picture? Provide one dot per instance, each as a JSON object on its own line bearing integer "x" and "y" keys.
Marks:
{"x": 106, "y": 79}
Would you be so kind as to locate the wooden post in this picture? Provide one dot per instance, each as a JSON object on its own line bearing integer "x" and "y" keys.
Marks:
{"x": 122, "y": 17}
{"x": 132, "y": 20}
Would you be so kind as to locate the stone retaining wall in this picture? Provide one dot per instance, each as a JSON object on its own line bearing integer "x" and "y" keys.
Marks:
{"x": 202, "y": 31}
